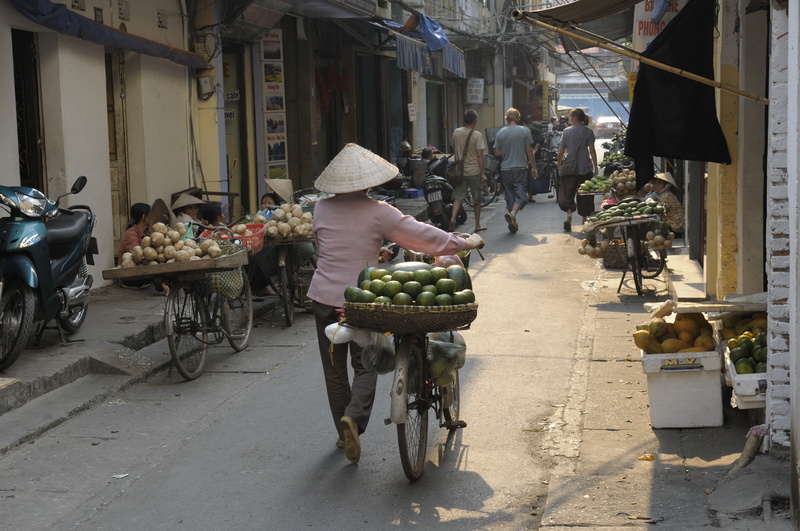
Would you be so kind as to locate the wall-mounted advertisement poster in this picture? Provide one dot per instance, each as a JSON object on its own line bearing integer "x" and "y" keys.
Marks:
{"x": 274, "y": 105}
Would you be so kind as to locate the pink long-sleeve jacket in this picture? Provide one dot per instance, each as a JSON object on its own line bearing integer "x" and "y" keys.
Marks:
{"x": 350, "y": 229}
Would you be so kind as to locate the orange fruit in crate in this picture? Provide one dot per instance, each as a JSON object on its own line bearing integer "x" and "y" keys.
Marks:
{"x": 707, "y": 342}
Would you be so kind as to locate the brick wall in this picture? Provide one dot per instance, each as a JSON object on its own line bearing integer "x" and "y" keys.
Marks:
{"x": 778, "y": 414}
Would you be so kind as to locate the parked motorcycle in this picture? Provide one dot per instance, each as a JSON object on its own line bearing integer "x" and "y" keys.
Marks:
{"x": 44, "y": 255}
{"x": 439, "y": 195}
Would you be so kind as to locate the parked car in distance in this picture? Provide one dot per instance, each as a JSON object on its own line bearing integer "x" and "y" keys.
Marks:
{"x": 608, "y": 126}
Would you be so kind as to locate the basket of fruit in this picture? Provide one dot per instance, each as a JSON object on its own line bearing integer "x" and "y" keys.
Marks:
{"x": 250, "y": 235}
{"x": 411, "y": 297}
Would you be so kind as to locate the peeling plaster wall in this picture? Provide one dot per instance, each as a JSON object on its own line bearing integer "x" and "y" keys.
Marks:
{"x": 779, "y": 264}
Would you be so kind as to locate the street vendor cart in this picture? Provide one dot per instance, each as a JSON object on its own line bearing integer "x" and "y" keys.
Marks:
{"x": 632, "y": 233}
{"x": 209, "y": 300}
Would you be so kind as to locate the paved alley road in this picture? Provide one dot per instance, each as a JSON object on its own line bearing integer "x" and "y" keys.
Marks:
{"x": 251, "y": 445}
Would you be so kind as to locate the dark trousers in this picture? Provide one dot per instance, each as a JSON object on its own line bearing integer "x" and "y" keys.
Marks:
{"x": 345, "y": 400}
{"x": 567, "y": 190}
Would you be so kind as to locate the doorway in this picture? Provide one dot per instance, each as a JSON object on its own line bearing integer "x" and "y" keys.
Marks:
{"x": 435, "y": 116}
{"x": 117, "y": 141}
{"x": 30, "y": 140}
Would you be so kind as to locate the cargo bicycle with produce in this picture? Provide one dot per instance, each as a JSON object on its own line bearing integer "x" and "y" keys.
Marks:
{"x": 423, "y": 380}
{"x": 290, "y": 233}
{"x": 636, "y": 234}
{"x": 209, "y": 300}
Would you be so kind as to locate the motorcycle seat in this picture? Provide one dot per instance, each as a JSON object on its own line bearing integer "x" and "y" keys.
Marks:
{"x": 66, "y": 228}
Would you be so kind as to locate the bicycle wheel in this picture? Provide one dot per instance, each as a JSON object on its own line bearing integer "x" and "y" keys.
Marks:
{"x": 287, "y": 288}
{"x": 412, "y": 435}
{"x": 237, "y": 316}
{"x": 451, "y": 405}
{"x": 186, "y": 331}
{"x": 634, "y": 263}
{"x": 653, "y": 261}
{"x": 489, "y": 192}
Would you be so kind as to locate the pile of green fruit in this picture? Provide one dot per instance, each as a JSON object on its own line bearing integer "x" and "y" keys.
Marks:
{"x": 595, "y": 185}
{"x": 616, "y": 157}
{"x": 746, "y": 337}
{"x": 630, "y": 209}
{"x": 413, "y": 283}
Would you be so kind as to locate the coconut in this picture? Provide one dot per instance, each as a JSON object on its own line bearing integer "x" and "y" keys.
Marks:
{"x": 145, "y": 242}
{"x": 178, "y": 245}
{"x": 214, "y": 251}
{"x": 272, "y": 232}
{"x": 156, "y": 239}
{"x": 181, "y": 228}
{"x": 181, "y": 256}
{"x": 150, "y": 254}
{"x": 169, "y": 252}
{"x": 160, "y": 228}
{"x": 279, "y": 214}
{"x": 128, "y": 263}
{"x": 240, "y": 228}
{"x": 174, "y": 235}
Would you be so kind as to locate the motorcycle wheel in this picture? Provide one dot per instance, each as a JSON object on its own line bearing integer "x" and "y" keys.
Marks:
{"x": 77, "y": 314}
{"x": 461, "y": 218}
{"x": 16, "y": 321}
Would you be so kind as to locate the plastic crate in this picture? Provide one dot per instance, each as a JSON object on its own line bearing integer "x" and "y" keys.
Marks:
{"x": 685, "y": 389}
{"x": 252, "y": 243}
{"x": 749, "y": 390}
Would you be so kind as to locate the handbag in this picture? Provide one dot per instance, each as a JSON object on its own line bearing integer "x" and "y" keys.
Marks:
{"x": 569, "y": 165}
{"x": 455, "y": 172}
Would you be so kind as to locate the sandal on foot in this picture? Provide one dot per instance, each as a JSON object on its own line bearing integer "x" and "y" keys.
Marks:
{"x": 352, "y": 446}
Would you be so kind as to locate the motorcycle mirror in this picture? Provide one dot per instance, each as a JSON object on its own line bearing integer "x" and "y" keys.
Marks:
{"x": 79, "y": 184}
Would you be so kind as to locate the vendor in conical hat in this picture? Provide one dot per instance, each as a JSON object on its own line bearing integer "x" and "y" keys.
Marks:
{"x": 187, "y": 208}
{"x": 664, "y": 188}
{"x": 350, "y": 228}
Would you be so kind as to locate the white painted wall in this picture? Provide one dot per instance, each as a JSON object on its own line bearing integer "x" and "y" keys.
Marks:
{"x": 75, "y": 120}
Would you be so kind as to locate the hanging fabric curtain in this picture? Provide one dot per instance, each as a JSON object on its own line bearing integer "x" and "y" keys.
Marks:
{"x": 413, "y": 55}
{"x": 672, "y": 116}
{"x": 58, "y": 18}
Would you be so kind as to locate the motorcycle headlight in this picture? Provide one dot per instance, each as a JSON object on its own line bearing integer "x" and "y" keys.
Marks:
{"x": 31, "y": 206}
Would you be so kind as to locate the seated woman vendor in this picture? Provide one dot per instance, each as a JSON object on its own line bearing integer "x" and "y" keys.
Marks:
{"x": 663, "y": 192}
{"x": 187, "y": 209}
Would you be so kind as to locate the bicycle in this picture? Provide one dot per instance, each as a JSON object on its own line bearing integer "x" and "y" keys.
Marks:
{"x": 547, "y": 168}
{"x": 642, "y": 261}
{"x": 413, "y": 395}
{"x": 490, "y": 186}
{"x": 293, "y": 279}
{"x": 197, "y": 315}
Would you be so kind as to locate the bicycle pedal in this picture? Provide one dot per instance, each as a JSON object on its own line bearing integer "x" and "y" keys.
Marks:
{"x": 455, "y": 424}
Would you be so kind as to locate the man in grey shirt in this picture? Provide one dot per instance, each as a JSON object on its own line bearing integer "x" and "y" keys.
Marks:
{"x": 513, "y": 147}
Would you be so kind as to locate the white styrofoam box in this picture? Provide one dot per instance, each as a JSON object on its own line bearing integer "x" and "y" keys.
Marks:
{"x": 685, "y": 389}
{"x": 750, "y": 390}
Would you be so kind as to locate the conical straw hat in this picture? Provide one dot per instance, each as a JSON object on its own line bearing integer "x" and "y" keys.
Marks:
{"x": 354, "y": 169}
{"x": 282, "y": 187}
{"x": 161, "y": 213}
{"x": 185, "y": 200}
{"x": 667, "y": 176}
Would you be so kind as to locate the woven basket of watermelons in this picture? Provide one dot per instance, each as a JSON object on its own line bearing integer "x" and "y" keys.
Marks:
{"x": 409, "y": 319}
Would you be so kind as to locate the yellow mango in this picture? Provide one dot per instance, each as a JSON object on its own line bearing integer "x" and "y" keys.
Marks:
{"x": 645, "y": 341}
{"x": 674, "y": 345}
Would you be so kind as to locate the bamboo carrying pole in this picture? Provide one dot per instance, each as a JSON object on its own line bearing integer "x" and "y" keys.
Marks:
{"x": 616, "y": 48}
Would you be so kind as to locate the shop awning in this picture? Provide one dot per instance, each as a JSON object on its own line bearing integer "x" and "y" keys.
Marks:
{"x": 614, "y": 27}
{"x": 58, "y": 18}
{"x": 581, "y": 11}
{"x": 414, "y": 47}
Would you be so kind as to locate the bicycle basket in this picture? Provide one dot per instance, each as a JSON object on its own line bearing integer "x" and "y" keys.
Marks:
{"x": 228, "y": 283}
{"x": 407, "y": 319}
{"x": 491, "y": 164}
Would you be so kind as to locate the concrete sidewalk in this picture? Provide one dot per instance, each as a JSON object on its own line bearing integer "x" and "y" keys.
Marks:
{"x": 601, "y": 478}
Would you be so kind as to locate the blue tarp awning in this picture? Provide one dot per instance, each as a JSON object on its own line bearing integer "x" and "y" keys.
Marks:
{"x": 58, "y": 18}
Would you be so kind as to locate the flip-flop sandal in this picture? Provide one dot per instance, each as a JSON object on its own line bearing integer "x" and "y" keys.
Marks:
{"x": 479, "y": 229}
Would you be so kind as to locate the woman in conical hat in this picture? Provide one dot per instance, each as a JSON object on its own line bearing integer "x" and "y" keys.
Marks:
{"x": 350, "y": 228}
{"x": 664, "y": 188}
{"x": 187, "y": 208}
